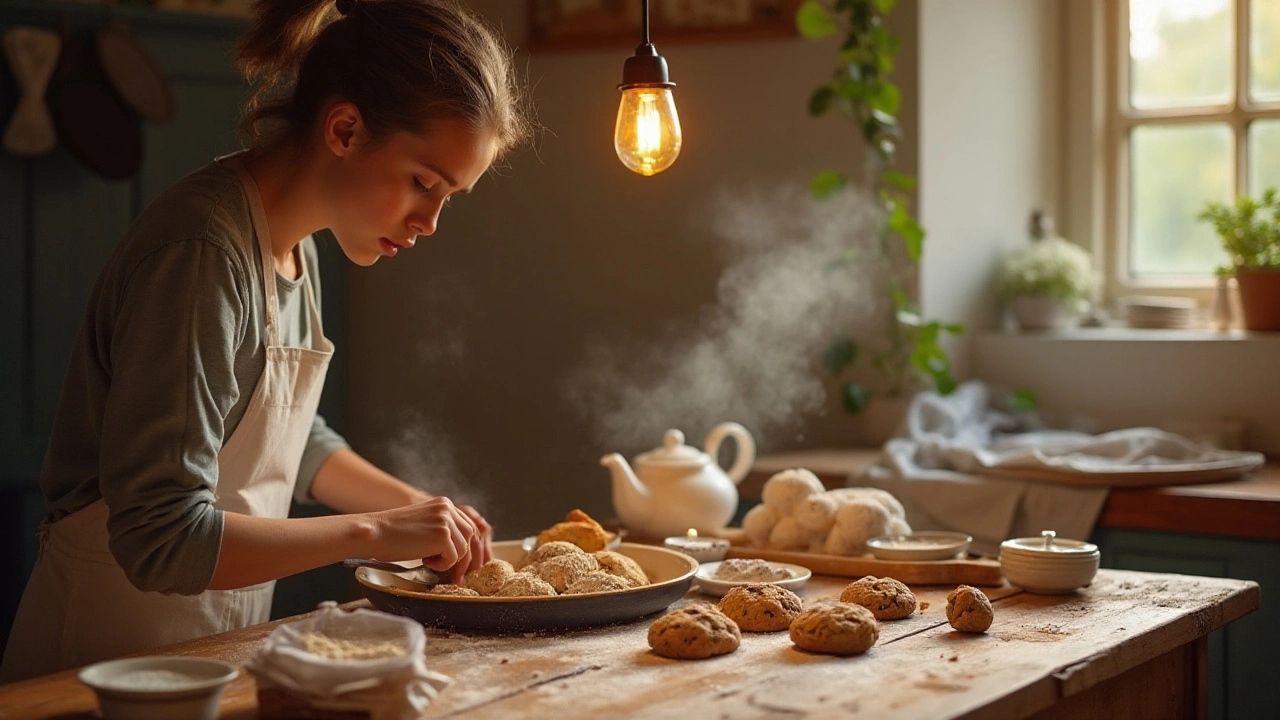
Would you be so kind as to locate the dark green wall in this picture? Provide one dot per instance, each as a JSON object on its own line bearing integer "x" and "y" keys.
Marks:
{"x": 59, "y": 222}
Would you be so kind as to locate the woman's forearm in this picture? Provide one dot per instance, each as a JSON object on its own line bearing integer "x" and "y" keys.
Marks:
{"x": 257, "y": 549}
{"x": 348, "y": 483}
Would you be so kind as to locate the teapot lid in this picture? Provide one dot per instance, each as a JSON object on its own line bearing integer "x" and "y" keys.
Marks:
{"x": 673, "y": 453}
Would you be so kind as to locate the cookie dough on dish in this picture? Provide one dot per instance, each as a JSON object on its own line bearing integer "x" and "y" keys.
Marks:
{"x": 886, "y": 598}
{"x": 835, "y": 629}
{"x": 694, "y": 632}
{"x": 564, "y": 570}
{"x": 761, "y": 607}
{"x": 580, "y": 529}
{"x": 454, "y": 590}
{"x": 490, "y": 577}
{"x": 969, "y": 610}
{"x": 525, "y": 585}
{"x": 624, "y": 567}
{"x": 598, "y": 581}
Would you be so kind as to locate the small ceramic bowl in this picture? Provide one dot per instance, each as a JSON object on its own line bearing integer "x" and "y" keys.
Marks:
{"x": 159, "y": 687}
{"x": 702, "y": 549}
{"x": 1049, "y": 565}
{"x": 709, "y": 584}
{"x": 925, "y": 545}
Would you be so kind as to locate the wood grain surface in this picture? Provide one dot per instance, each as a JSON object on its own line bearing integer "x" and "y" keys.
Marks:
{"x": 1043, "y": 653}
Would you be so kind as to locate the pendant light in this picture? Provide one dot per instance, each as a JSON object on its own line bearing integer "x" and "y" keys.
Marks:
{"x": 647, "y": 136}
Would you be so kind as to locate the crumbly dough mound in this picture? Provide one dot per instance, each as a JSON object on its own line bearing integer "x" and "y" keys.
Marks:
{"x": 884, "y": 498}
{"x": 694, "y": 632}
{"x": 525, "y": 585}
{"x": 969, "y": 610}
{"x": 490, "y": 577}
{"x": 580, "y": 529}
{"x": 816, "y": 514}
{"x": 564, "y": 570}
{"x": 835, "y": 629}
{"x": 886, "y": 598}
{"x": 547, "y": 551}
{"x": 761, "y": 607}
{"x": 857, "y": 521}
{"x": 624, "y": 567}
{"x": 787, "y": 535}
{"x": 598, "y": 581}
{"x": 784, "y": 490}
{"x": 758, "y": 523}
{"x": 455, "y": 590}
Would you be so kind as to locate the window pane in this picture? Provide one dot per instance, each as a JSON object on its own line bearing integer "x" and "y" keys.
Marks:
{"x": 1174, "y": 170}
{"x": 1264, "y": 50}
{"x": 1180, "y": 53}
{"x": 1264, "y": 156}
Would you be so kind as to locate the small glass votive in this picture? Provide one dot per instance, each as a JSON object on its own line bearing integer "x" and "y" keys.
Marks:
{"x": 702, "y": 549}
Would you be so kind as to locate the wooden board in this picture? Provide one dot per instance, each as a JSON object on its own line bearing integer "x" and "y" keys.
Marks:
{"x": 1152, "y": 477}
{"x": 934, "y": 572}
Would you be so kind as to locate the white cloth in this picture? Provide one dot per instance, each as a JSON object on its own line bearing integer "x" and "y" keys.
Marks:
{"x": 80, "y": 607}
{"x": 950, "y": 440}
{"x": 393, "y": 688}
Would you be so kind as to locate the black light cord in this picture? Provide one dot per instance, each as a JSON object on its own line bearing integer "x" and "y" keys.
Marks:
{"x": 644, "y": 19}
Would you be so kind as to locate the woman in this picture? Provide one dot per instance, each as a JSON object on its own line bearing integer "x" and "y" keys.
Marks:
{"x": 188, "y": 417}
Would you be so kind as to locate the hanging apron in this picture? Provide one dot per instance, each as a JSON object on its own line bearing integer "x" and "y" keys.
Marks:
{"x": 79, "y": 607}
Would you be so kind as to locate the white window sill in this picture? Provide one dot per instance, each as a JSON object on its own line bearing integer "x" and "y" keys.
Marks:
{"x": 1141, "y": 335}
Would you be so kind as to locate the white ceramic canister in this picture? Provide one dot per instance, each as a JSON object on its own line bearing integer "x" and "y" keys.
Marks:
{"x": 1049, "y": 565}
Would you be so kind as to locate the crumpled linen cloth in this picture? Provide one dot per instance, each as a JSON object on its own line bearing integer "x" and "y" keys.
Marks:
{"x": 949, "y": 440}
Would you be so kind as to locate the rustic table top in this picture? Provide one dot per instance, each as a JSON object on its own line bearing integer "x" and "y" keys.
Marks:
{"x": 1040, "y": 650}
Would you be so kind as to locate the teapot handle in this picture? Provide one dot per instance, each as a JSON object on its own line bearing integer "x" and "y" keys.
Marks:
{"x": 746, "y": 448}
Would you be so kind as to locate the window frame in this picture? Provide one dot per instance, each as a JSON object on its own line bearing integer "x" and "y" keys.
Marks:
{"x": 1119, "y": 119}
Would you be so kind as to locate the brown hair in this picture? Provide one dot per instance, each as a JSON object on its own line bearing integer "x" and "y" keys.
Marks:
{"x": 403, "y": 63}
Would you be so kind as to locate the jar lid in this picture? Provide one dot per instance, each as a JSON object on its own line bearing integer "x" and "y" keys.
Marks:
{"x": 1049, "y": 544}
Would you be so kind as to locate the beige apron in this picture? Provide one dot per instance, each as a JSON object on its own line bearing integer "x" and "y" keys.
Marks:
{"x": 78, "y": 606}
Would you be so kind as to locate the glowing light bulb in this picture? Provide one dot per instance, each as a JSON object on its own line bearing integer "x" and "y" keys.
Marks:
{"x": 647, "y": 136}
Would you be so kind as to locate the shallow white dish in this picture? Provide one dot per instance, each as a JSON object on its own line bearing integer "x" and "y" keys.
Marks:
{"x": 924, "y": 545}
{"x": 709, "y": 584}
{"x": 159, "y": 687}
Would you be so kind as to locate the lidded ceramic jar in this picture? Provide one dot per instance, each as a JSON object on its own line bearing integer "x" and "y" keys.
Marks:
{"x": 1049, "y": 565}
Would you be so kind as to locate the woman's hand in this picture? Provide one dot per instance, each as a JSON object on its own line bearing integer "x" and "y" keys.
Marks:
{"x": 437, "y": 531}
{"x": 484, "y": 551}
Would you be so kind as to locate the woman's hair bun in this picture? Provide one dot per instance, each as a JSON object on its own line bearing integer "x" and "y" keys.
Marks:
{"x": 345, "y": 6}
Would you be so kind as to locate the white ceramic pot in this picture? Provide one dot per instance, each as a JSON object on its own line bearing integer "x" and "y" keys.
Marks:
{"x": 1039, "y": 312}
{"x": 1049, "y": 565}
{"x": 159, "y": 687}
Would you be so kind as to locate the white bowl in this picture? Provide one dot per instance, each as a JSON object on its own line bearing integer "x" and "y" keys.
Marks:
{"x": 159, "y": 687}
{"x": 926, "y": 545}
{"x": 710, "y": 585}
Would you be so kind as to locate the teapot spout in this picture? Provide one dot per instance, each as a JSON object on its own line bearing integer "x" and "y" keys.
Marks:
{"x": 631, "y": 498}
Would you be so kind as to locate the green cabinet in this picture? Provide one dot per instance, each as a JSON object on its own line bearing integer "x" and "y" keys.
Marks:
{"x": 1244, "y": 657}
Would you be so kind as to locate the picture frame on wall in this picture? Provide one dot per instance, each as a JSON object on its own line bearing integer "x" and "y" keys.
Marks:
{"x": 585, "y": 24}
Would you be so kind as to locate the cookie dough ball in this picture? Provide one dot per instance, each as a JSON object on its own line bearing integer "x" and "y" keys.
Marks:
{"x": 616, "y": 563}
{"x": 694, "y": 632}
{"x": 816, "y": 514}
{"x": 785, "y": 489}
{"x": 565, "y": 570}
{"x": 761, "y": 607}
{"x": 547, "y": 551}
{"x": 490, "y": 577}
{"x": 969, "y": 610}
{"x": 454, "y": 590}
{"x": 836, "y": 629}
{"x": 883, "y": 498}
{"x": 787, "y": 535}
{"x": 598, "y": 581}
{"x": 758, "y": 523}
{"x": 886, "y": 598}
{"x": 857, "y": 521}
{"x": 525, "y": 585}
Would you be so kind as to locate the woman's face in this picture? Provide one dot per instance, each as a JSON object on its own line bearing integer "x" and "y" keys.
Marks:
{"x": 381, "y": 198}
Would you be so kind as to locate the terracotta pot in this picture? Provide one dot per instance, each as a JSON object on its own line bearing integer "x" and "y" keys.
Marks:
{"x": 1259, "y": 297}
{"x": 1039, "y": 312}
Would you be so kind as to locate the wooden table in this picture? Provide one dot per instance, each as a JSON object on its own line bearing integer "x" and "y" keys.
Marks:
{"x": 1130, "y": 645}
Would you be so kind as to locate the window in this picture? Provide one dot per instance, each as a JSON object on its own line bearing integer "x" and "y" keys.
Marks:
{"x": 1193, "y": 107}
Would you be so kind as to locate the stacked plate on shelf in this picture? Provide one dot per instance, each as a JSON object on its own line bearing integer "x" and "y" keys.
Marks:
{"x": 1142, "y": 311}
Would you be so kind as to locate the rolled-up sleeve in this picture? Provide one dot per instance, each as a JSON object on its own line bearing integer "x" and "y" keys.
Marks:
{"x": 321, "y": 443}
{"x": 179, "y": 321}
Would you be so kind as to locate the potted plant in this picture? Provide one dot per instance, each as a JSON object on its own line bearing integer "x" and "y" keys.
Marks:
{"x": 1044, "y": 281}
{"x": 910, "y": 354}
{"x": 1250, "y": 233}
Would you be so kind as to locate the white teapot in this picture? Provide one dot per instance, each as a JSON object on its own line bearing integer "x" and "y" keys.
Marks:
{"x": 677, "y": 487}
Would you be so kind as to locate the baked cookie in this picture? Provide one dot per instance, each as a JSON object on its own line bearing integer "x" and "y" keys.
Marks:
{"x": 564, "y": 570}
{"x": 969, "y": 610}
{"x": 455, "y": 590}
{"x": 598, "y": 581}
{"x": 525, "y": 585}
{"x": 835, "y": 629}
{"x": 694, "y": 632}
{"x": 885, "y": 597}
{"x": 490, "y": 577}
{"x": 580, "y": 529}
{"x": 761, "y": 607}
{"x": 546, "y": 552}
{"x": 624, "y": 567}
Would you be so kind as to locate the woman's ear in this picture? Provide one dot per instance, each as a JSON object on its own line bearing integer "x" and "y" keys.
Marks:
{"x": 344, "y": 128}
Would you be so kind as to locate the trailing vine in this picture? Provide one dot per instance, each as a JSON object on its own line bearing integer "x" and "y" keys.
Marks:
{"x": 860, "y": 90}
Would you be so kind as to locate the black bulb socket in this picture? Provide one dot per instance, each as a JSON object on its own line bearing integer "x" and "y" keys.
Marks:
{"x": 645, "y": 69}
